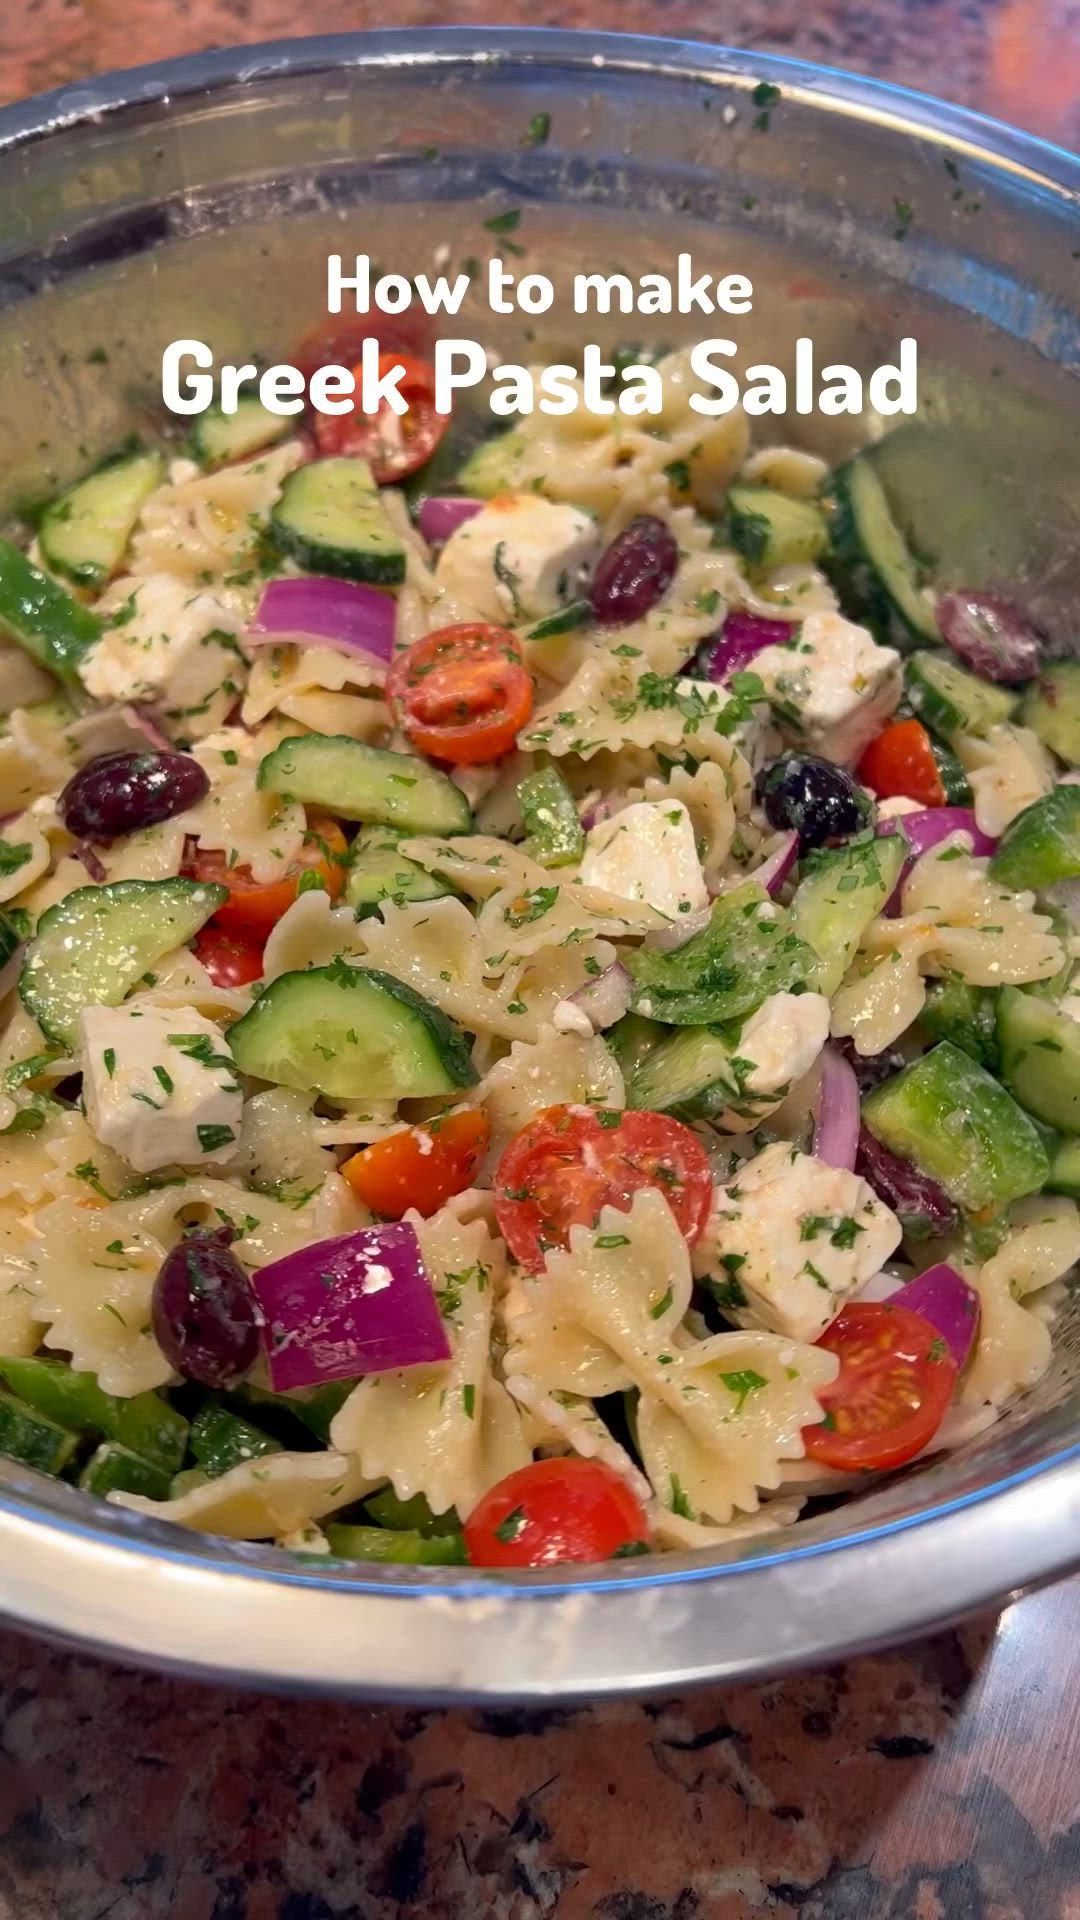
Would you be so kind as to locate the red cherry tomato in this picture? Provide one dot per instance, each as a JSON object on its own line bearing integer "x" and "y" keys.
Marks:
{"x": 255, "y": 907}
{"x": 895, "y": 1382}
{"x": 338, "y": 340}
{"x": 570, "y": 1162}
{"x": 462, "y": 694}
{"x": 394, "y": 445}
{"x": 901, "y": 762}
{"x": 421, "y": 1166}
{"x": 229, "y": 959}
{"x": 555, "y": 1510}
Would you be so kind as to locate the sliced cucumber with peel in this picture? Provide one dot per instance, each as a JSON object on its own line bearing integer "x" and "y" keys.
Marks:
{"x": 85, "y": 533}
{"x": 330, "y": 518}
{"x": 1051, "y": 708}
{"x": 357, "y": 782}
{"x": 97, "y": 943}
{"x": 219, "y": 437}
{"x": 949, "y": 700}
{"x": 1064, "y": 1175}
{"x": 1040, "y": 1058}
{"x": 872, "y": 561}
{"x": 772, "y": 529}
{"x": 494, "y": 466}
{"x": 956, "y": 1123}
{"x": 145, "y": 1424}
{"x": 378, "y": 872}
{"x": 842, "y": 890}
{"x": 42, "y": 618}
{"x": 1042, "y": 845}
{"x": 115, "y": 1469}
{"x": 351, "y": 1033}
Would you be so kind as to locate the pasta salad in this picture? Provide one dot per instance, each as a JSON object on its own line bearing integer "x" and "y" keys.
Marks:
{"x": 538, "y": 1016}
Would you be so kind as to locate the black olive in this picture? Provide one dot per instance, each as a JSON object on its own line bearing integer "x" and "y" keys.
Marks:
{"x": 822, "y": 802}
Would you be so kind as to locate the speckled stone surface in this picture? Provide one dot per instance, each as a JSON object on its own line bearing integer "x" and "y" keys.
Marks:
{"x": 939, "y": 1783}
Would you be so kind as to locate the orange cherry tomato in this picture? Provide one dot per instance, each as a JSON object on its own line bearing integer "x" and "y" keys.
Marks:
{"x": 556, "y": 1510}
{"x": 254, "y": 907}
{"x": 421, "y": 1166}
{"x": 462, "y": 694}
{"x": 901, "y": 762}
{"x": 895, "y": 1382}
{"x": 570, "y": 1162}
{"x": 394, "y": 445}
{"x": 229, "y": 959}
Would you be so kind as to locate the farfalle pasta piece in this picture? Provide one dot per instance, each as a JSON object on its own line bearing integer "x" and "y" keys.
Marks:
{"x": 277, "y": 675}
{"x": 555, "y": 1069}
{"x": 311, "y": 933}
{"x": 1013, "y": 1348}
{"x": 437, "y": 948}
{"x": 448, "y": 1431}
{"x": 261, "y": 1499}
{"x": 985, "y": 932}
{"x": 204, "y": 525}
{"x": 1007, "y": 770}
{"x": 263, "y": 831}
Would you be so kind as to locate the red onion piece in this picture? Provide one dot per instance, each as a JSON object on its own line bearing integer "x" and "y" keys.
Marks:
{"x": 741, "y": 637}
{"x": 90, "y": 861}
{"x": 943, "y": 1296}
{"x": 143, "y": 721}
{"x": 442, "y": 514}
{"x": 774, "y": 871}
{"x": 990, "y": 634}
{"x": 320, "y": 612}
{"x": 606, "y": 998}
{"x": 836, "y": 1124}
{"x": 362, "y": 1303}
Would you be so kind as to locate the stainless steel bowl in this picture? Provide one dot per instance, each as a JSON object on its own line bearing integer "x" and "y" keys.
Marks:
{"x": 201, "y": 198}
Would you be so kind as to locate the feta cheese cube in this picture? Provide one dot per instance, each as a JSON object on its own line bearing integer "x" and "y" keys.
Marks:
{"x": 790, "y": 1239}
{"x": 159, "y": 1085}
{"x": 831, "y": 686}
{"x": 520, "y": 557}
{"x": 648, "y": 852}
{"x": 167, "y": 644}
{"x": 777, "y": 1045}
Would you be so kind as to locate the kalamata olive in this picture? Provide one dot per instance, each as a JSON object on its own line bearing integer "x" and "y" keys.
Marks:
{"x": 204, "y": 1313}
{"x": 919, "y": 1202}
{"x": 124, "y": 792}
{"x": 992, "y": 636}
{"x": 634, "y": 572}
{"x": 822, "y": 802}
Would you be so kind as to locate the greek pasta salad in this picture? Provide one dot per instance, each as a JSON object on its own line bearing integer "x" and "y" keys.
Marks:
{"x": 538, "y": 1017}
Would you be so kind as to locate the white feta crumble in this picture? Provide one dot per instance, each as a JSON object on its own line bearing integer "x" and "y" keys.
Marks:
{"x": 520, "y": 557}
{"x": 791, "y": 1239}
{"x": 159, "y": 1085}
{"x": 777, "y": 1046}
{"x": 831, "y": 686}
{"x": 566, "y": 1018}
{"x": 167, "y": 644}
{"x": 647, "y": 852}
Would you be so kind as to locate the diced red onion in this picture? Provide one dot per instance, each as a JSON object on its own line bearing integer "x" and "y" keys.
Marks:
{"x": 836, "y": 1123}
{"x": 144, "y": 722}
{"x": 927, "y": 829}
{"x": 362, "y": 1303}
{"x": 943, "y": 1296}
{"x": 595, "y": 812}
{"x": 741, "y": 637}
{"x": 442, "y": 514}
{"x": 319, "y": 612}
{"x": 91, "y": 862}
{"x": 774, "y": 871}
{"x": 605, "y": 999}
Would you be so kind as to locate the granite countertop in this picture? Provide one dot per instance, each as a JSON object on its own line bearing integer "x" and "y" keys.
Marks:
{"x": 937, "y": 1783}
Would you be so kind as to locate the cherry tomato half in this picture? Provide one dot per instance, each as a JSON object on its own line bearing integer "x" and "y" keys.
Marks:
{"x": 229, "y": 959}
{"x": 394, "y": 445}
{"x": 254, "y": 907}
{"x": 421, "y": 1166}
{"x": 570, "y": 1162}
{"x": 555, "y": 1510}
{"x": 901, "y": 762}
{"x": 895, "y": 1382}
{"x": 338, "y": 340}
{"x": 462, "y": 694}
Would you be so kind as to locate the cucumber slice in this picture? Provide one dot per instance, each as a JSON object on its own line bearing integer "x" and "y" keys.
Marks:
{"x": 494, "y": 467}
{"x": 98, "y": 942}
{"x": 37, "y": 614}
{"x": 146, "y": 1424}
{"x": 556, "y": 836}
{"x": 950, "y": 701}
{"x": 675, "y": 1075}
{"x": 84, "y": 534}
{"x": 631, "y": 1038}
{"x": 1051, "y": 708}
{"x": 410, "y": 1516}
{"x": 567, "y": 620}
{"x": 330, "y": 518}
{"x": 351, "y": 1033}
{"x": 954, "y": 781}
{"x": 9, "y": 937}
{"x": 31, "y": 1439}
{"x": 841, "y": 891}
{"x": 356, "y": 782}
{"x": 871, "y": 559}
{"x": 1064, "y": 1176}
{"x": 219, "y": 437}
{"x": 314, "y": 1407}
{"x": 1042, "y": 845}
{"x": 967, "y": 1016}
{"x": 378, "y": 872}
{"x": 1040, "y": 1058}
{"x": 746, "y": 953}
{"x": 951, "y": 1117}
{"x": 115, "y": 1469}
{"x": 404, "y": 1549}
{"x": 773, "y": 530}
{"x": 220, "y": 1440}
